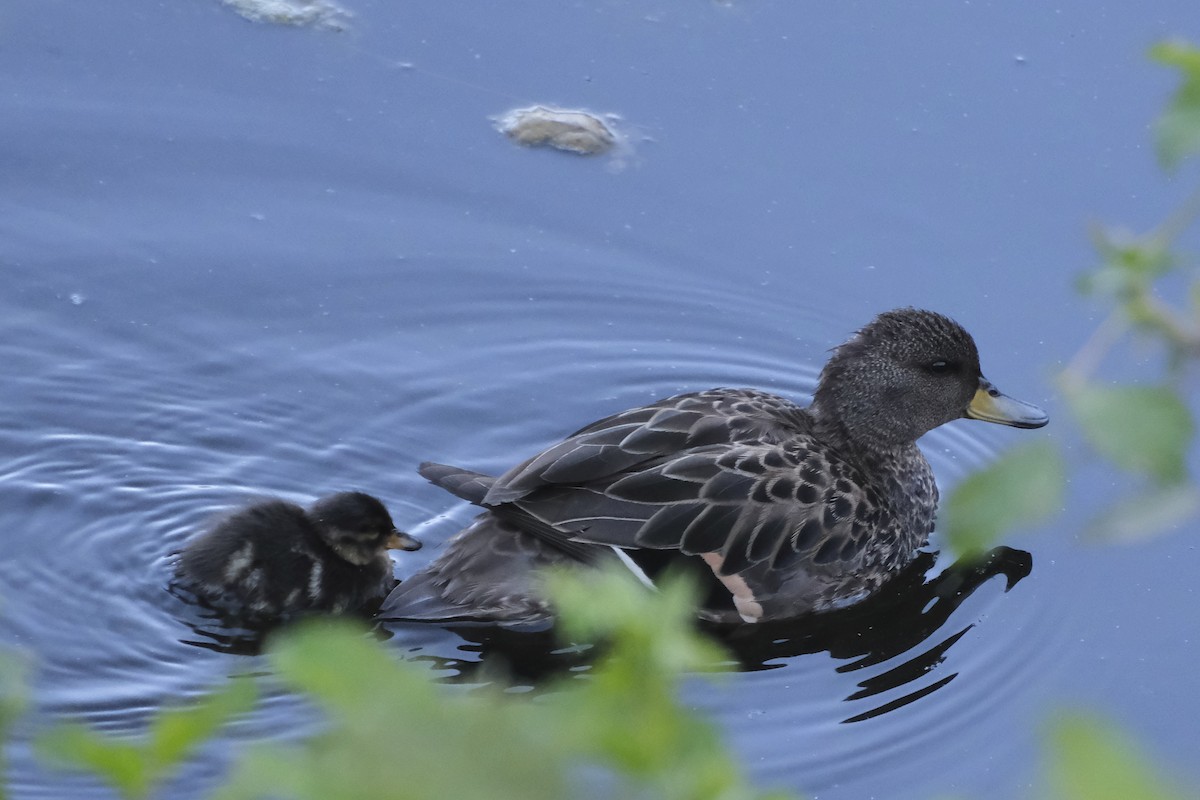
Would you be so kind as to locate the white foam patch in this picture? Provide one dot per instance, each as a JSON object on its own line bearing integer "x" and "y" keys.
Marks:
{"x": 574, "y": 130}
{"x": 317, "y": 13}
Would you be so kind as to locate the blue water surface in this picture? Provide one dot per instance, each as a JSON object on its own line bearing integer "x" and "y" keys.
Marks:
{"x": 243, "y": 259}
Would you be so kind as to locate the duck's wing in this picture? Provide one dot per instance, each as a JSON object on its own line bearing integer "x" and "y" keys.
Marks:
{"x": 737, "y": 505}
{"x": 622, "y": 442}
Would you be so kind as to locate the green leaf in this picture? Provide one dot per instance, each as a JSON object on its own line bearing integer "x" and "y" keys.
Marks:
{"x": 657, "y": 626}
{"x": 12, "y": 690}
{"x": 175, "y": 732}
{"x": 402, "y": 736}
{"x": 1129, "y": 262}
{"x": 12, "y": 703}
{"x": 1140, "y": 428}
{"x": 121, "y": 764}
{"x": 1178, "y": 129}
{"x": 134, "y": 768}
{"x": 1092, "y": 760}
{"x": 266, "y": 771}
{"x": 336, "y": 662}
{"x": 1023, "y": 486}
{"x": 397, "y": 733}
{"x": 393, "y": 733}
{"x": 635, "y": 724}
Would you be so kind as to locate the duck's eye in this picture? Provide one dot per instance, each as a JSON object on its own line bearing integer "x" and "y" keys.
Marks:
{"x": 942, "y": 367}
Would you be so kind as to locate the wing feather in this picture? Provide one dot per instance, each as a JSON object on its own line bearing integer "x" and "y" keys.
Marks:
{"x": 721, "y": 500}
{"x": 670, "y": 427}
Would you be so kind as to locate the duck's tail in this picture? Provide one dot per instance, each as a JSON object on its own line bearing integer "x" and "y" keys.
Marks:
{"x": 473, "y": 487}
{"x": 467, "y": 484}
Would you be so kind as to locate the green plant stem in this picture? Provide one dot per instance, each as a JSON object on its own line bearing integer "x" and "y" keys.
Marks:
{"x": 1173, "y": 226}
{"x": 1081, "y": 366}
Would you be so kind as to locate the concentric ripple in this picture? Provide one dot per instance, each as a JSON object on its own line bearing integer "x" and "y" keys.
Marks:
{"x": 122, "y": 446}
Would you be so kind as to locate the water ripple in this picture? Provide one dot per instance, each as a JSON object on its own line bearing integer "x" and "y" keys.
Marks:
{"x": 122, "y": 446}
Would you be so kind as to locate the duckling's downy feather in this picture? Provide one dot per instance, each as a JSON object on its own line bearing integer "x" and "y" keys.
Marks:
{"x": 274, "y": 559}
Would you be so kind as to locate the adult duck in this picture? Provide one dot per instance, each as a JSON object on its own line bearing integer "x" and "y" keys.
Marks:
{"x": 782, "y": 509}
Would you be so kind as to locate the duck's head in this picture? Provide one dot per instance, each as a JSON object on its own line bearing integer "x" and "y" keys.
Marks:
{"x": 358, "y": 527}
{"x": 906, "y": 373}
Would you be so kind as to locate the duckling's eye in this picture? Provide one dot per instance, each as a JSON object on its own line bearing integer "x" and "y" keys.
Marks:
{"x": 943, "y": 367}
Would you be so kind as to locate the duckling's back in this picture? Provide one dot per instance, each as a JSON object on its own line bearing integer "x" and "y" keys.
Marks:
{"x": 251, "y": 556}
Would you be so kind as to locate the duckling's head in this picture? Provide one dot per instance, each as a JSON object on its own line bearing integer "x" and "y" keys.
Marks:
{"x": 358, "y": 527}
{"x": 906, "y": 373}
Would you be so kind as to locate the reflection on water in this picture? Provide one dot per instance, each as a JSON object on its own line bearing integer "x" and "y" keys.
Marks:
{"x": 903, "y": 622}
{"x": 905, "y": 618}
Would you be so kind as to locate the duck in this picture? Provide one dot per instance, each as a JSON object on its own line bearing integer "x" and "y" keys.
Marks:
{"x": 275, "y": 559}
{"x": 780, "y": 510}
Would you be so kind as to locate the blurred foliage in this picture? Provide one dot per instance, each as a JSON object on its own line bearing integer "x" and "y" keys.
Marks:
{"x": 12, "y": 705}
{"x": 1024, "y": 485}
{"x": 1144, "y": 429}
{"x": 635, "y": 724}
{"x": 394, "y": 734}
{"x": 1178, "y": 129}
{"x": 1147, "y": 430}
{"x": 1090, "y": 759}
{"x": 134, "y": 769}
{"x": 619, "y": 727}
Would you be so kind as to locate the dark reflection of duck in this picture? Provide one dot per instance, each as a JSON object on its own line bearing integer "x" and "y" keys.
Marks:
{"x": 785, "y": 510}
{"x": 274, "y": 559}
{"x": 906, "y": 616}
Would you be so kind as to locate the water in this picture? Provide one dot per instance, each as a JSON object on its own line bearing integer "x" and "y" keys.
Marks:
{"x": 241, "y": 260}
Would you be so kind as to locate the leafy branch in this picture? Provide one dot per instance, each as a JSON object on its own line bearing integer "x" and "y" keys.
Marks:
{"x": 1145, "y": 429}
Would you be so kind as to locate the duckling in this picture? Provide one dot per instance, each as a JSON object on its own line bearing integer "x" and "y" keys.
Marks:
{"x": 274, "y": 559}
{"x": 783, "y": 510}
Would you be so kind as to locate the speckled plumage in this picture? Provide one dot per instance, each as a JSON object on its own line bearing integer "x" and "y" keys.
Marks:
{"x": 789, "y": 509}
{"x": 274, "y": 559}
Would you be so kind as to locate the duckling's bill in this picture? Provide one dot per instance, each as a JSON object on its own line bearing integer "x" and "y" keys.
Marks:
{"x": 991, "y": 405}
{"x": 399, "y": 540}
